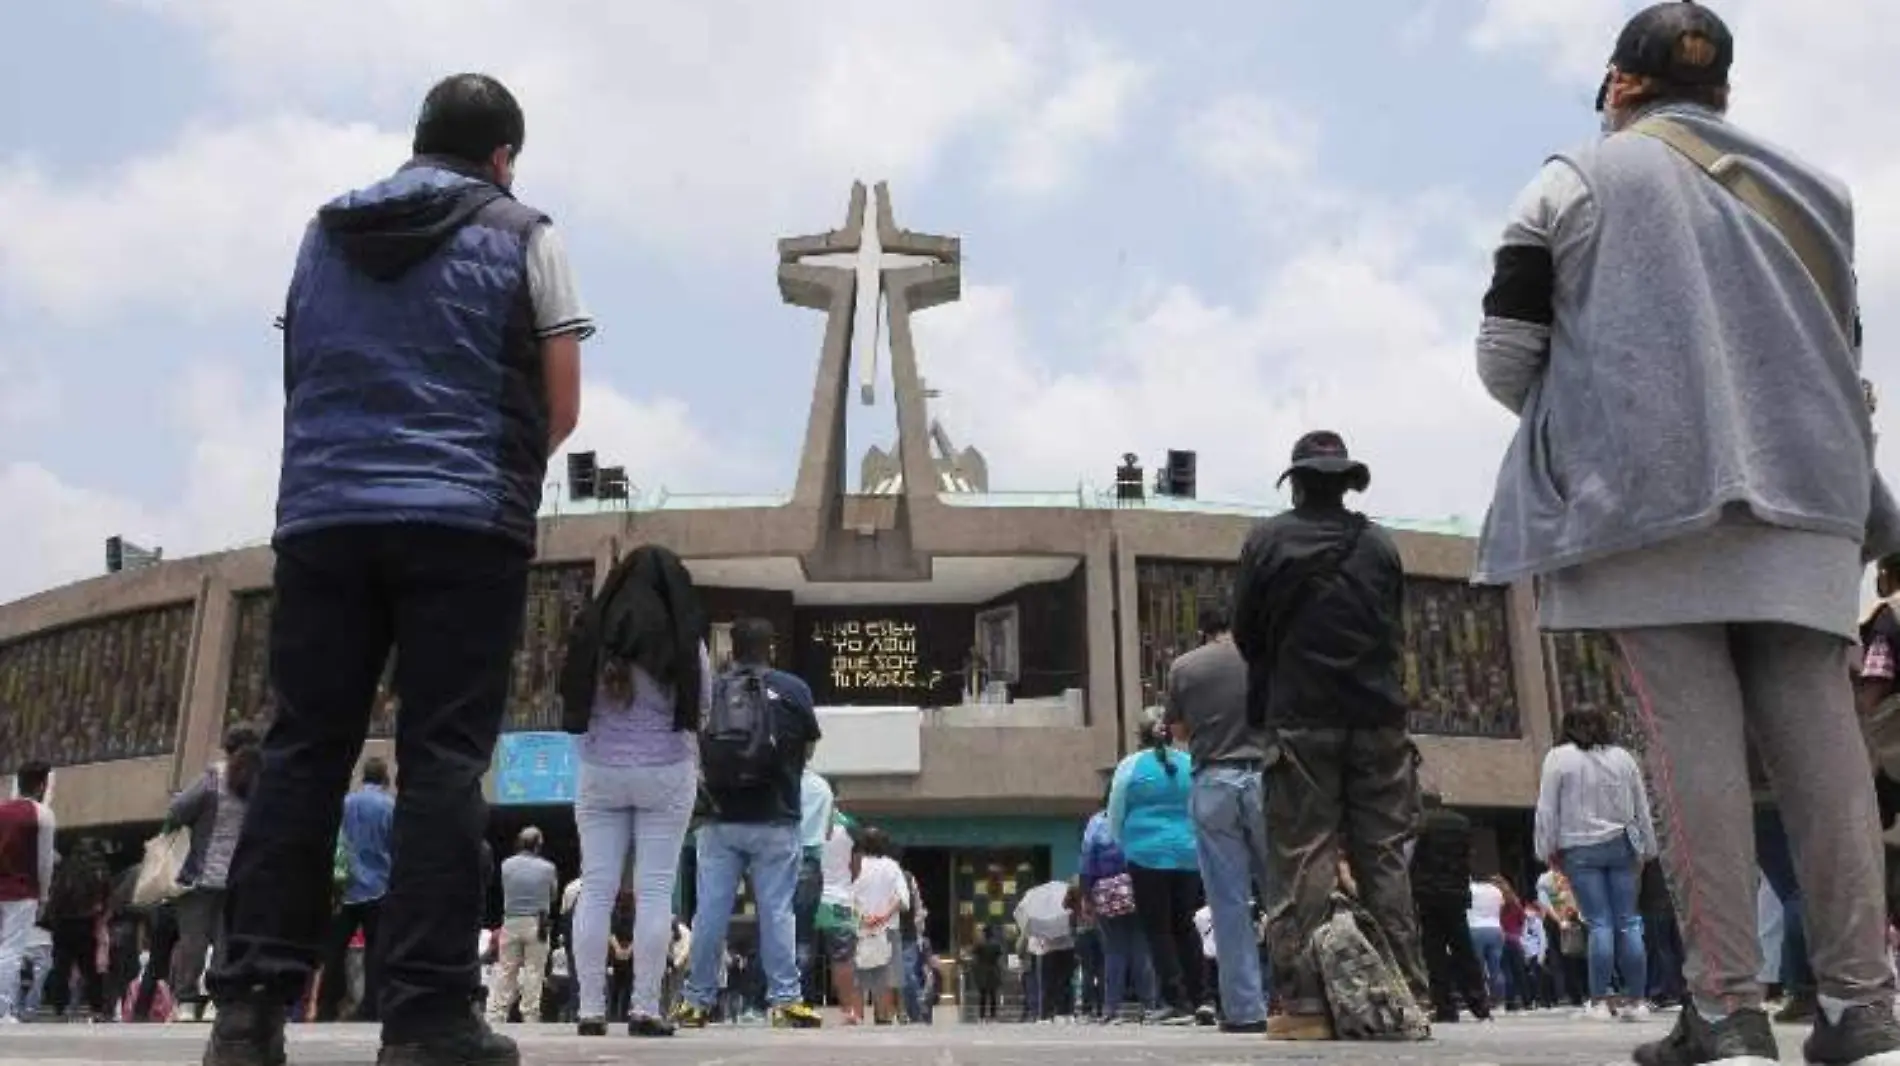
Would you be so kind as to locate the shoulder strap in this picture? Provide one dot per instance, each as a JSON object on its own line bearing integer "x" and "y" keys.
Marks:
{"x": 1794, "y": 226}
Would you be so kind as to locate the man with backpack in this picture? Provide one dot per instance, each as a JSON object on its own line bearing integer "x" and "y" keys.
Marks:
{"x": 1317, "y": 614}
{"x": 758, "y": 735}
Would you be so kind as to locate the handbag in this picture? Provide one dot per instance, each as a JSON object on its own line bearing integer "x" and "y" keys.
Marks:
{"x": 874, "y": 948}
{"x": 1574, "y": 940}
{"x": 164, "y": 860}
{"x": 1113, "y": 897}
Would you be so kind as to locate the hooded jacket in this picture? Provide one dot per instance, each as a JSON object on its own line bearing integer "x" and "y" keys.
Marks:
{"x": 412, "y": 379}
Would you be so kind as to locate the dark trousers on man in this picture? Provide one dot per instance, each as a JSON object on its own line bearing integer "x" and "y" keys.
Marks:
{"x": 336, "y": 957}
{"x": 1350, "y": 792}
{"x": 75, "y": 949}
{"x": 1451, "y": 964}
{"x": 449, "y": 604}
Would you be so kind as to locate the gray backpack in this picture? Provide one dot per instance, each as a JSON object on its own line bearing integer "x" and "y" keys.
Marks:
{"x": 1366, "y": 992}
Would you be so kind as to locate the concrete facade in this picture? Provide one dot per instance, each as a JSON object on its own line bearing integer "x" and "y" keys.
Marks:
{"x": 838, "y": 536}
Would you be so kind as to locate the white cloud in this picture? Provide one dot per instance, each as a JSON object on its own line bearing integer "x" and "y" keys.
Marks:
{"x": 1247, "y": 139}
{"x": 1343, "y": 335}
{"x": 1086, "y": 110}
{"x": 228, "y": 492}
{"x": 704, "y": 126}
{"x": 207, "y": 225}
{"x": 1571, "y": 38}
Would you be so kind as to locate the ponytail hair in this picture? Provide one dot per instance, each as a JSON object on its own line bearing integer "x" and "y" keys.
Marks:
{"x": 1158, "y": 743}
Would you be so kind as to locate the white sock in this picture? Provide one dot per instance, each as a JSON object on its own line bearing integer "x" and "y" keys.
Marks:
{"x": 1833, "y": 1008}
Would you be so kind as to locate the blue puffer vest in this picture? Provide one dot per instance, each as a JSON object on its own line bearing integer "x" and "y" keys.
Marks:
{"x": 412, "y": 378}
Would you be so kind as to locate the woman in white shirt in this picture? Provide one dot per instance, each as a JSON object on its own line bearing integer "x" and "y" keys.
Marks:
{"x": 1486, "y": 919}
{"x": 1593, "y": 824}
{"x": 881, "y": 892}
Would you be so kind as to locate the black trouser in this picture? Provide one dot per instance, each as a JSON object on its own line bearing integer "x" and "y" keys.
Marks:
{"x": 122, "y": 960}
{"x": 1058, "y": 984}
{"x": 75, "y": 947}
{"x": 449, "y": 604}
{"x": 158, "y": 959}
{"x": 988, "y": 999}
{"x": 336, "y": 958}
{"x": 1350, "y": 793}
{"x": 1445, "y": 937}
{"x": 1165, "y": 901}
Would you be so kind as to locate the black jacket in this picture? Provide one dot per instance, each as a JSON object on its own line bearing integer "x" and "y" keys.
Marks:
{"x": 1441, "y": 860}
{"x": 1319, "y": 614}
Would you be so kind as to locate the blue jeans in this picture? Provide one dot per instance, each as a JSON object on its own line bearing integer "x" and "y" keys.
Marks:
{"x": 1777, "y": 865}
{"x": 1605, "y": 879}
{"x": 1125, "y": 954}
{"x": 728, "y": 851}
{"x": 1229, "y": 808}
{"x": 1488, "y": 944}
{"x": 913, "y": 986}
{"x": 645, "y": 808}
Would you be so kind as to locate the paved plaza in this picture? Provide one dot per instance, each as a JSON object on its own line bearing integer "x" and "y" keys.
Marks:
{"x": 1530, "y": 1041}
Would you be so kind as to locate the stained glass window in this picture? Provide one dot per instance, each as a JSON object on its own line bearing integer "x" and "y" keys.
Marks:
{"x": 107, "y": 689}
{"x": 555, "y": 595}
{"x": 1458, "y": 672}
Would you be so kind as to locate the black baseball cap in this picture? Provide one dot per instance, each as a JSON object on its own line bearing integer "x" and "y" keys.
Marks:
{"x": 1655, "y": 44}
{"x": 1324, "y": 452}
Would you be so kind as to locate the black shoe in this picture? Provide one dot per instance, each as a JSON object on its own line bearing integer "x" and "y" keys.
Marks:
{"x": 1744, "y": 1036}
{"x": 1205, "y": 1016}
{"x": 1258, "y": 1028}
{"x": 644, "y": 1025}
{"x": 247, "y": 1034}
{"x": 1865, "y": 1036}
{"x": 591, "y": 1027}
{"x": 463, "y": 1043}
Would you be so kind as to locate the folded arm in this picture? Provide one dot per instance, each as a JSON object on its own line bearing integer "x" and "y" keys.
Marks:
{"x": 1552, "y": 220}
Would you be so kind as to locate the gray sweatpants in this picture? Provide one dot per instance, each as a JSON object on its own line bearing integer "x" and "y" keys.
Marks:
{"x": 1702, "y": 691}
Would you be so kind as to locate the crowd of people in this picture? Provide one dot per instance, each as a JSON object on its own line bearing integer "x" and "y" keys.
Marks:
{"x": 1672, "y": 319}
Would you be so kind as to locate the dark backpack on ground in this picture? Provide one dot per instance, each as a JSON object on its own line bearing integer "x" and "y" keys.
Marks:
{"x": 738, "y": 746}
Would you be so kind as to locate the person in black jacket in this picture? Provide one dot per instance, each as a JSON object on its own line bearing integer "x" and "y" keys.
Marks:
{"x": 1318, "y": 616}
{"x": 1441, "y": 889}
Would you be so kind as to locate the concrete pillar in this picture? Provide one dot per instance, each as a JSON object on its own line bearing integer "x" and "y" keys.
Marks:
{"x": 1128, "y": 640}
{"x": 208, "y": 679}
{"x": 1534, "y": 703}
{"x": 1099, "y": 710}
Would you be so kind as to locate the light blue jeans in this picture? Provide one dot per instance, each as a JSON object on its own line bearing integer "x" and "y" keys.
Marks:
{"x": 1605, "y": 878}
{"x": 728, "y": 851}
{"x": 1229, "y": 808}
{"x": 645, "y": 808}
{"x": 1488, "y": 944}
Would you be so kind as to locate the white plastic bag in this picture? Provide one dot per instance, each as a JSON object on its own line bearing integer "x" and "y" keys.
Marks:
{"x": 158, "y": 872}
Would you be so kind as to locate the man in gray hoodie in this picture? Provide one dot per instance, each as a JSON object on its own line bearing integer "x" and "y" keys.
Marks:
{"x": 1673, "y": 319}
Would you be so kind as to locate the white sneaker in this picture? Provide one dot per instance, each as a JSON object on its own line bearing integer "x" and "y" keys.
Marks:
{"x": 1595, "y": 1012}
{"x": 1636, "y": 1012}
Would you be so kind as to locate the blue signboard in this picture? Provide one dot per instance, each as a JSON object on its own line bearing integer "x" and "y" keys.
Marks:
{"x": 535, "y": 768}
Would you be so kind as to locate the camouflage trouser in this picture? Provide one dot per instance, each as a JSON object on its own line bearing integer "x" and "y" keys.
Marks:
{"x": 1339, "y": 791}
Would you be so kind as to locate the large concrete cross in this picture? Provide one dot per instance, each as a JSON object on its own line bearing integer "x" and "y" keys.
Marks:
{"x": 887, "y": 270}
{"x": 859, "y": 248}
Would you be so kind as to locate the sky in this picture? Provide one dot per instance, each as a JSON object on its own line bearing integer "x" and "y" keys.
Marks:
{"x": 1203, "y": 225}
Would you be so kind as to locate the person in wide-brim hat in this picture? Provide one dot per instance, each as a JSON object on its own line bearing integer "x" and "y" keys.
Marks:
{"x": 1324, "y": 452}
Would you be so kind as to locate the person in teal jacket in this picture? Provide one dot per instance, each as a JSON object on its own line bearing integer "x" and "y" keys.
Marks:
{"x": 1148, "y": 817}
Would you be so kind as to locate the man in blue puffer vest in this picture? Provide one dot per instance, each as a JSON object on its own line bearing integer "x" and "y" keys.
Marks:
{"x": 431, "y": 365}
